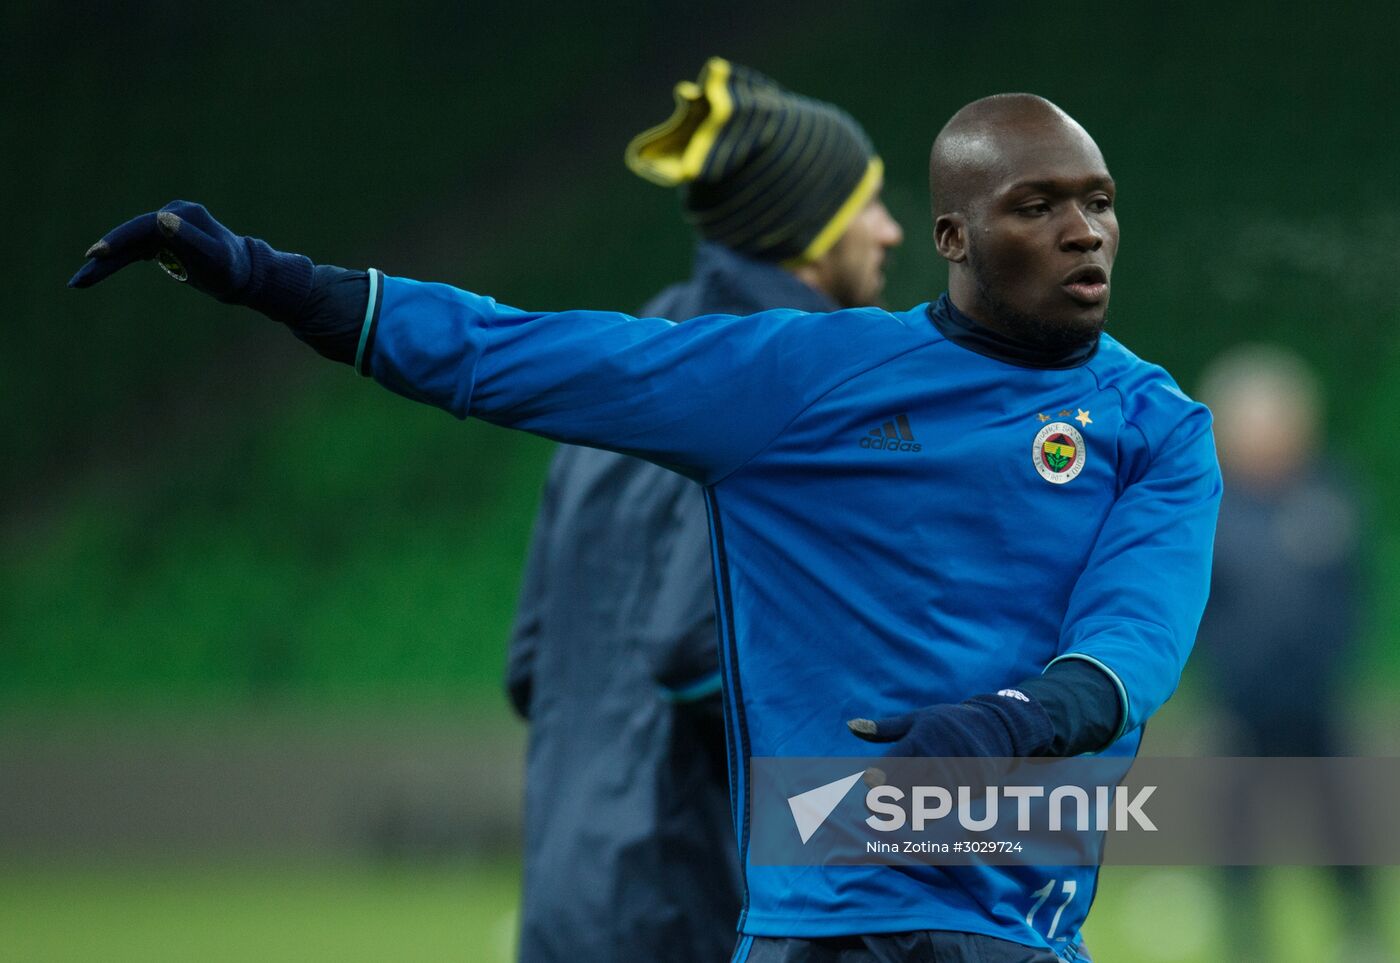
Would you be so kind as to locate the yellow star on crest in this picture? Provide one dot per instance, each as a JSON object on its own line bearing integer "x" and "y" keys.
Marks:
{"x": 1043, "y": 417}
{"x": 1083, "y": 418}
{"x": 1064, "y": 412}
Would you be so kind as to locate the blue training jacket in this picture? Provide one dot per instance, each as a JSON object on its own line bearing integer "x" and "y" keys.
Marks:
{"x": 898, "y": 519}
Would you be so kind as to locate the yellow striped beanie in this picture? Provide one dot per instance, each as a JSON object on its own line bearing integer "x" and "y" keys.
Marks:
{"x": 764, "y": 171}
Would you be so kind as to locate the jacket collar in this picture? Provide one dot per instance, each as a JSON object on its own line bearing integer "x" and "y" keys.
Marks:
{"x": 750, "y": 281}
{"x": 967, "y": 333}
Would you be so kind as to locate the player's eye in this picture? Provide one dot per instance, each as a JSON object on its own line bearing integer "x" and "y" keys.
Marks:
{"x": 1100, "y": 204}
{"x": 1035, "y": 209}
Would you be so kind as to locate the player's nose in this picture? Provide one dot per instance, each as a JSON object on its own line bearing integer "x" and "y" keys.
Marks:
{"x": 1080, "y": 233}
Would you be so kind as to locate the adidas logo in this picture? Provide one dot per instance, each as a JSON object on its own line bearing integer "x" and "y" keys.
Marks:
{"x": 893, "y": 435}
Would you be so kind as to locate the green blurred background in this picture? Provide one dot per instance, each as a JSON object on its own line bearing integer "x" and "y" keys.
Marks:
{"x": 211, "y": 538}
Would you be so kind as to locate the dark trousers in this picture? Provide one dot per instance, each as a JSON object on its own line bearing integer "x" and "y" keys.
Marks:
{"x": 921, "y": 946}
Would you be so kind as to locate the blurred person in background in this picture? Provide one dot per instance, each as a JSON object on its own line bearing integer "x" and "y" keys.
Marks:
{"x": 1286, "y": 598}
{"x": 614, "y": 659}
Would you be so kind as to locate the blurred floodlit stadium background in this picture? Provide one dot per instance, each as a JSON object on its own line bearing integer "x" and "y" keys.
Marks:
{"x": 253, "y": 610}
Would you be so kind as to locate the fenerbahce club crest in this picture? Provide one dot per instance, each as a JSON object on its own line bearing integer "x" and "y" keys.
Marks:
{"x": 1058, "y": 453}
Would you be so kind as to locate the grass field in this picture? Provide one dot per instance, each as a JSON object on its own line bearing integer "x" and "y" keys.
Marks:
{"x": 467, "y": 912}
{"x": 1180, "y": 915}
{"x": 351, "y": 913}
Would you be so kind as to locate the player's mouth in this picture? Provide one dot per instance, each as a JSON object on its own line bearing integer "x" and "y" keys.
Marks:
{"x": 1087, "y": 284}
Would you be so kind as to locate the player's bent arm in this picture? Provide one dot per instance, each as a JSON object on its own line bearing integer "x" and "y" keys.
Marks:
{"x": 1071, "y": 709}
{"x": 1135, "y": 609}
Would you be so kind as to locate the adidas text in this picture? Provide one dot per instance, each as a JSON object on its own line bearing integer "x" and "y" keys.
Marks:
{"x": 890, "y": 444}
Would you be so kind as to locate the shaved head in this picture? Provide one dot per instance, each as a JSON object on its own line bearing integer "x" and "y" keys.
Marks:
{"x": 1023, "y": 212}
{"x": 973, "y": 150}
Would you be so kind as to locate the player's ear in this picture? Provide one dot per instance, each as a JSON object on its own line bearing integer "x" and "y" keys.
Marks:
{"x": 950, "y": 237}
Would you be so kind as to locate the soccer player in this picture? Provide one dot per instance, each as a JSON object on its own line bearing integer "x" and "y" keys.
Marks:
{"x": 615, "y": 656}
{"x": 978, "y": 527}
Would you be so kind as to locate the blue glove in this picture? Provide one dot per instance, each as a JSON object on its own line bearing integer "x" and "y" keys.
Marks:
{"x": 1008, "y": 724}
{"x": 189, "y": 245}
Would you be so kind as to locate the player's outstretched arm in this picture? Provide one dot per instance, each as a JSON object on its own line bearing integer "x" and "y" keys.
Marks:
{"x": 701, "y": 398}
{"x": 190, "y": 246}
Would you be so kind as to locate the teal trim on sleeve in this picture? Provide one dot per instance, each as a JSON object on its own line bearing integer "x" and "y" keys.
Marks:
{"x": 368, "y": 322}
{"x": 1117, "y": 684}
{"x": 705, "y": 686}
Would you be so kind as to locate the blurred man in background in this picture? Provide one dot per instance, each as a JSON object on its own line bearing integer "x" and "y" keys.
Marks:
{"x": 1286, "y": 592}
{"x": 630, "y": 850}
